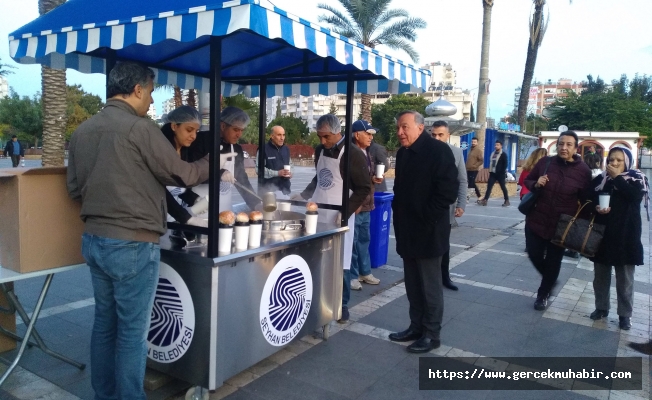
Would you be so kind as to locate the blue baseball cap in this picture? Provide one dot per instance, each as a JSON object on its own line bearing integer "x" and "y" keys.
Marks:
{"x": 363, "y": 126}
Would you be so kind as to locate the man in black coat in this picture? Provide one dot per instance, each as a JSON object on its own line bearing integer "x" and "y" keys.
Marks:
{"x": 14, "y": 150}
{"x": 497, "y": 170}
{"x": 424, "y": 188}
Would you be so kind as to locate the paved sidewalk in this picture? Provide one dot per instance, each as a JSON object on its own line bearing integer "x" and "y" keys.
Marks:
{"x": 491, "y": 315}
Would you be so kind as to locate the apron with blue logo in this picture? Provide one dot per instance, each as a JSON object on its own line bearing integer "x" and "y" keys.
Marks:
{"x": 329, "y": 191}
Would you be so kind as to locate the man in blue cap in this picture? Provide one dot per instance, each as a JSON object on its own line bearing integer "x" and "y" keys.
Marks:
{"x": 363, "y": 134}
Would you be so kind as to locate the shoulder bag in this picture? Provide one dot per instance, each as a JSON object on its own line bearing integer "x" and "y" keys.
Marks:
{"x": 578, "y": 234}
{"x": 529, "y": 201}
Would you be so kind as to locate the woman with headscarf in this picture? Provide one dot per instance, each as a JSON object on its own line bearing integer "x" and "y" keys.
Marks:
{"x": 621, "y": 245}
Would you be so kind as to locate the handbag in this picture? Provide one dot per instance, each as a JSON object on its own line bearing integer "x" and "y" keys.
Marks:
{"x": 530, "y": 199}
{"x": 578, "y": 234}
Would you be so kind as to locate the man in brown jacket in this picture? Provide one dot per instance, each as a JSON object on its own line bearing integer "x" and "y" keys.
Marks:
{"x": 474, "y": 163}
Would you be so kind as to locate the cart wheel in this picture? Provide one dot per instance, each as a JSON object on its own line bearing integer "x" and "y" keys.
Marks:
{"x": 197, "y": 393}
{"x": 325, "y": 330}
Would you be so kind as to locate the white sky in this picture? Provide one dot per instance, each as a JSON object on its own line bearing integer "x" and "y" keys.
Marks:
{"x": 599, "y": 37}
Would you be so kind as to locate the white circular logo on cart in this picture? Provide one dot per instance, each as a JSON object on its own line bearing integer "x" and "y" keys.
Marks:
{"x": 325, "y": 178}
{"x": 286, "y": 300}
{"x": 385, "y": 215}
{"x": 172, "y": 323}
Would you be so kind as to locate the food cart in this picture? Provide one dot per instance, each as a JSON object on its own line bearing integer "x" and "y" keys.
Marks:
{"x": 218, "y": 314}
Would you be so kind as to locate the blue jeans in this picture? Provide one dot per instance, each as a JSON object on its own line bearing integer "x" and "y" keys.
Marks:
{"x": 125, "y": 276}
{"x": 346, "y": 288}
{"x": 360, "y": 259}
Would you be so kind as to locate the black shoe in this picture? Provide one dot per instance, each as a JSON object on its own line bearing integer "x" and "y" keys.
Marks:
{"x": 645, "y": 348}
{"x": 599, "y": 314}
{"x": 345, "y": 316}
{"x": 405, "y": 336}
{"x": 624, "y": 323}
{"x": 448, "y": 284}
{"x": 541, "y": 303}
{"x": 423, "y": 345}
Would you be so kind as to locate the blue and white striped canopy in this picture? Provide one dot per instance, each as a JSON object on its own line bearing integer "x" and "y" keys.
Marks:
{"x": 294, "y": 56}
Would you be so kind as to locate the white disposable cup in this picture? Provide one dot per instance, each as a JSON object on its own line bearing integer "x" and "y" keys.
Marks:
{"x": 311, "y": 223}
{"x": 283, "y": 206}
{"x": 604, "y": 200}
{"x": 224, "y": 240}
{"x": 255, "y": 231}
{"x": 286, "y": 167}
{"x": 380, "y": 170}
{"x": 241, "y": 237}
{"x": 200, "y": 206}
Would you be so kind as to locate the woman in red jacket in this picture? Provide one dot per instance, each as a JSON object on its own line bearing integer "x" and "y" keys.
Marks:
{"x": 527, "y": 167}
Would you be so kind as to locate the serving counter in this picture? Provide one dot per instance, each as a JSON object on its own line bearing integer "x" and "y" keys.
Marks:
{"x": 213, "y": 318}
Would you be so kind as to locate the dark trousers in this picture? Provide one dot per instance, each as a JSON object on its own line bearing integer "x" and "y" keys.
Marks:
{"x": 346, "y": 288}
{"x": 470, "y": 177}
{"x": 546, "y": 258}
{"x": 493, "y": 178}
{"x": 425, "y": 294}
{"x": 445, "y": 262}
{"x": 15, "y": 160}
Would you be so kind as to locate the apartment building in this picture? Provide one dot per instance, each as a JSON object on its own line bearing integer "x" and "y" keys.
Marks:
{"x": 543, "y": 94}
{"x": 4, "y": 87}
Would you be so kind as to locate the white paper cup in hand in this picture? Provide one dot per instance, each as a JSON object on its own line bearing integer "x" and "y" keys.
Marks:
{"x": 311, "y": 222}
{"x": 241, "y": 236}
{"x": 380, "y": 170}
{"x": 255, "y": 231}
{"x": 286, "y": 167}
{"x": 604, "y": 200}
{"x": 224, "y": 240}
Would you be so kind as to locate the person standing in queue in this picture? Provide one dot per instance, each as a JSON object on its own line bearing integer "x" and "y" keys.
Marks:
{"x": 277, "y": 156}
{"x": 497, "y": 170}
{"x": 424, "y": 188}
{"x": 378, "y": 154}
{"x": 440, "y": 132}
{"x": 564, "y": 184}
{"x": 233, "y": 122}
{"x": 118, "y": 166}
{"x": 327, "y": 186}
{"x": 363, "y": 134}
{"x": 474, "y": 163}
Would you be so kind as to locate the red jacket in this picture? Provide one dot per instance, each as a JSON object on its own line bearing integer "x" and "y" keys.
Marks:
{"x": 521, "y": 182}
{"x": 568, "y": 183}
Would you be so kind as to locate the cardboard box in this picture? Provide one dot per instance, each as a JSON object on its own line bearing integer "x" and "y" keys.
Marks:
{"x": 40, "y": 226}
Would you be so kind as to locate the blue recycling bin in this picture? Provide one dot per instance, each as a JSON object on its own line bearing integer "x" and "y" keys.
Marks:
{"x": 379, "y": 227}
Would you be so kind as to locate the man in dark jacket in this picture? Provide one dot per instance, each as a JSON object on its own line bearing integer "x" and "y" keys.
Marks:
{"x": 277, "y": 156}
{"x": 378, "y": 155}
{"x": 424, "y": 189}
{"x": 497, "y": 170}
{"x": 14, "y": 150}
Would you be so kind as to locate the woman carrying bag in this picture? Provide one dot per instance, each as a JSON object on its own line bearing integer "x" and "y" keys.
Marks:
{"x": 621, "y": 245}
{"x": 559, "y": 189}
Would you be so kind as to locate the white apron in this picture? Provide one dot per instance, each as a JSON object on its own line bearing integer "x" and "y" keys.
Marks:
{"x": 329, "y": 191}
{"x": 226, "y": 188}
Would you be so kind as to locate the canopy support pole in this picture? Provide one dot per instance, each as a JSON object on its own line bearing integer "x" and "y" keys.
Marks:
{"x": 348, "y": 121}
{"x": 262, "y": 124}
{"x": 214, "y": 165}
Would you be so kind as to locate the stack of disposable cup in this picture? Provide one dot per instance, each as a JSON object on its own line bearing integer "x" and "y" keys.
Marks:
{"x": 255, "y": 231}
{"x": 241, "y": 235}
{"x": 311, "y": 222}
{"x": 225, "y": 238}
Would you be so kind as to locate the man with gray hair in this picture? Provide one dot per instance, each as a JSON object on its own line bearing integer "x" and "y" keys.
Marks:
{"x": 327, "y": 185}
{"x": 424, "y": 189}
{"x": 118, "y": 166}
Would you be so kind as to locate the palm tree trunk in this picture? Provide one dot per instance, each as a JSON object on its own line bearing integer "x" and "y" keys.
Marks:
{"x": 536, "y": 36}
{"x": 365, "y": 107}
{"x": 484, "y": 71}
{"x": 178, "y": 98}
{"x": 53, "y": 92}
{"x": 191, "y": 100}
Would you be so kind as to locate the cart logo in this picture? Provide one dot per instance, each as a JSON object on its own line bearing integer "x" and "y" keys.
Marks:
{"x": 286, "y": 300}
{"x": 325, "y": 179}
{"x": 225, "y": 187}
{"x": 172, "y": 322}
{"x": 464, "y": 145}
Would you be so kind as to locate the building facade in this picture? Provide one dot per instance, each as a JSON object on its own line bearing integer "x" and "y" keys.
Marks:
{"x": 4, "y": 87}
{"x": 543, "y": 94}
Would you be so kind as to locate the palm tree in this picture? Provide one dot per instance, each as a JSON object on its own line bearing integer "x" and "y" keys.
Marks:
{"x": 483, "y": 84}
{"x": 53, "y": 94}
{"x": 371, "y": 23}
{"x": 4, "y": 69}
{"x": 537, "y": 31}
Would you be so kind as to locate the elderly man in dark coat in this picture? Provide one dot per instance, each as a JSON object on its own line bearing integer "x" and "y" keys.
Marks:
{"x": 424, "y": 188}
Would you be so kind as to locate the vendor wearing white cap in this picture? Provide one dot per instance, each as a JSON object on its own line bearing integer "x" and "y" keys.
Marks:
{"x": 233, "y": 122}
{"x": 327, "y": 185}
